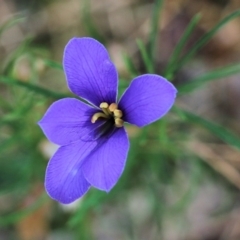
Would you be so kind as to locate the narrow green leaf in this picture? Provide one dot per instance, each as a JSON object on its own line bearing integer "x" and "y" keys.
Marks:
{"x": 88, "y": 23}
{"x": 224, "y": 134}
{"x": 8, "y": 64}
{"x": 153, "y": 37}
{"x": 32, "y": 87}
{"x": 53, "y": 64}
{"x": 216, "y": 74}
{"x": 205, "y": 39}
{"x": 10, "y": 23}
{"x": 129, "y": 65}
{"x": 182, "y": 42}
{"x": 147, "y": 62}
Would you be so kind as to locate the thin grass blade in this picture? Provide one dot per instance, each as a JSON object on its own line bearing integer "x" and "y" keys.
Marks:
{"x": 154, "y": 33}
{"x": 10, "y": 23}
{"x": 129, "y": 65}
{"x": 53, "y": 64}
{"x": 88, "y": 23}
{"x": 205, "y": 39}
{"x": 144, "y": 54}
{"x": 178, "y": 49}
{"x": 216, "y": 74}
{"x": 32, "y": 87}
{"x": 222, "y": 133}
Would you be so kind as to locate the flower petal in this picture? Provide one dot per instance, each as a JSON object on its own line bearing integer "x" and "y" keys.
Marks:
{"x": 67, "y": 120}
{"x": 148, "y": 98}
{"x": 64, "y": 180}
{"x": 103, "y": 167}
{"x": 89, "y": 71}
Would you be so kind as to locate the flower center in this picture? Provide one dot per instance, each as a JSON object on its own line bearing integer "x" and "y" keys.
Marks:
{"x": 109, "y": 111}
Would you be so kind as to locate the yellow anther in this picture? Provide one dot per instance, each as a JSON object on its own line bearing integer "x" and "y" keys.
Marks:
{"x": 118, "y": 122}
{"x": 104, "y": 105}
{"x": 112, "y": 107}
{"x": 117, "y": 113}
{"x": 98, "y": 115}
{"x": 109, "y": 112}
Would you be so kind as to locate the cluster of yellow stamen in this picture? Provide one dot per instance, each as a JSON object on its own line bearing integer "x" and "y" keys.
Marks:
{"x": 109, "y": 111}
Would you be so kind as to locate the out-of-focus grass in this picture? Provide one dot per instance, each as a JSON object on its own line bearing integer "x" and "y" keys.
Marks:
{"x": 158, "y": 158}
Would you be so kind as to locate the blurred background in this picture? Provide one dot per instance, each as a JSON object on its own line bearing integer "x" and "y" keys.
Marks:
{"x": 182, "y": 177}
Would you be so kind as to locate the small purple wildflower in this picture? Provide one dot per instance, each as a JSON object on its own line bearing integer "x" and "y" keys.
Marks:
{"x": 93, "y": 142}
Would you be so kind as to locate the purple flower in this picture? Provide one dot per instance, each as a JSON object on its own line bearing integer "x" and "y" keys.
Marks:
{"x": 93, "y": 142}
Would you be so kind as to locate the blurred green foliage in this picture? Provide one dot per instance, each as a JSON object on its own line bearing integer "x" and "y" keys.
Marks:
{"x": 157, "y": 152}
